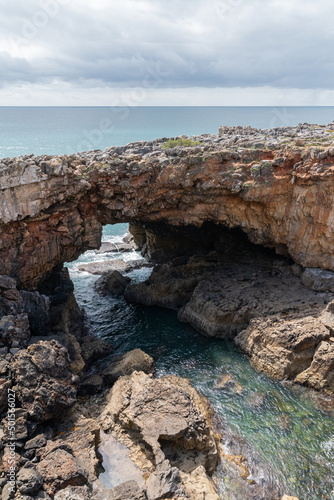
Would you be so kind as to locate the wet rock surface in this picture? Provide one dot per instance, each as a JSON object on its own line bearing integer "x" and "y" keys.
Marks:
{"x": 111, "y": 282}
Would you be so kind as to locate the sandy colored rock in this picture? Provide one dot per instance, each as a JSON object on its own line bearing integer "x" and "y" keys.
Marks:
{"x": 126, "y": 364}
{"x": 279, "y": 194}
{"x": 166, "y": 421}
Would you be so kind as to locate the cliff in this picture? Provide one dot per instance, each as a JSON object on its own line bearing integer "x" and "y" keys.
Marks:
{"x": 275, "y": 185}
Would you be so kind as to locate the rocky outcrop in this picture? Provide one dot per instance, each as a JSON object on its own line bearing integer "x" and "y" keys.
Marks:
{"x": 42, "y": 380}
{"x": 276, "y": 185}
{"x": 165, "y": 424}
{"x": 112, "y": 283}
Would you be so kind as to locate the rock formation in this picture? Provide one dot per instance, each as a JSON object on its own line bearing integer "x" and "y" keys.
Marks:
{"x": 276, "y": 185}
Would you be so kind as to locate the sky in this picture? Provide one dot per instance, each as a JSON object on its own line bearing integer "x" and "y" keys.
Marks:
{"x": 166, "y": 52}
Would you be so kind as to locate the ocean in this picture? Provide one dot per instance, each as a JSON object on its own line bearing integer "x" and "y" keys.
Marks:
{"x": 67, "y": 130}
{"x": 301, "y": 456}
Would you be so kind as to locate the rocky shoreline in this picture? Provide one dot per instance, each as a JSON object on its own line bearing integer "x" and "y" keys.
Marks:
{"x": 189, "y": 209}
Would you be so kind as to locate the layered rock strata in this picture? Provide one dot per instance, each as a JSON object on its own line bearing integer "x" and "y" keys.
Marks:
{"x": 276, "y": 185}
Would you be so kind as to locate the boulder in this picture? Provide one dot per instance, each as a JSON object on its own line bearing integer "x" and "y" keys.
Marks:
{"x": 229, "y": 383}
{"x": 111, "y": 282}
{"x": 42, "y": 379}
{"x": 165, "y": 482}
{"x": 165, "y": 424}
{"x": 318, "y": 280}
{"x": 129, "y": 491}
{"x": 93, "y": 349}
{"x": 127, "y": 363}
{"x": 104, "y": 266}
{"x": 29, "y": 480}
{"x": 299, "y": 349}
{"x": 320, "y": 374}
{"x": 60, "y": 469}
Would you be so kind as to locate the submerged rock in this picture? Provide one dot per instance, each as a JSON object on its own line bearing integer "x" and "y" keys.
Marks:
{"x": 229, "y": 383}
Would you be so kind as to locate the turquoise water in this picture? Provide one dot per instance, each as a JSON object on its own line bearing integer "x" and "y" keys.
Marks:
{"x": 289, "y": 435}
{"x": 66, "y": 130}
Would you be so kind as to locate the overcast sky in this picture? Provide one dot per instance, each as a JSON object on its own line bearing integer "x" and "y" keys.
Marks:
{"x": 167, "y": 52}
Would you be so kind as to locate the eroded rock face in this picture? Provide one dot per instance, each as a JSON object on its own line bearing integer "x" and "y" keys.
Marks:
{"x": 280, "y": 194}
{"x": 164, "y": 422}
{"x": 43, "y": 381}
{"x": 301, "y": 350}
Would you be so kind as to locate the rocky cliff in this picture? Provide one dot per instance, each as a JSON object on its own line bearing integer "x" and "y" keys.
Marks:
{"x": 275, "y": 185}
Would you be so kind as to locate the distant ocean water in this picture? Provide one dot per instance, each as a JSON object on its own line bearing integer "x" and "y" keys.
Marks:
{"x": 66, "y": 130}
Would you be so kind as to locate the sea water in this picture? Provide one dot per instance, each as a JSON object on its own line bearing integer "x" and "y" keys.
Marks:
{"x": 67, "y": 130}
{"x": 289, "y": 435}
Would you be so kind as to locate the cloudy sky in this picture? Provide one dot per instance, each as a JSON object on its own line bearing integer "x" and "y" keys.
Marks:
{"x": 166, "y": 52}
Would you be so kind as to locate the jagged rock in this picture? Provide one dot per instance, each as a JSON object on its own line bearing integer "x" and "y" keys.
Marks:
{"x": 129, "y": 490}
{"x": 60, "y": 469}
{"x": 290, "y": 349}
{"x": 318, "y": 279}
{"x": 63, "y": 201}
{"x": 36, "y": 442}
{"x": 111, "y": 282}
{"x": 38, "y": 309}
{"x": 165, "y": 482}
{"x": 14, "y": 330}
{"x": 29, "y": 480}
{"x": 320, "y": 374}
{"x": 93, "y": 349}
{"x": 127, "y": 363}
{"x": 162, "y": 420}
{"x": 42, "y": 379}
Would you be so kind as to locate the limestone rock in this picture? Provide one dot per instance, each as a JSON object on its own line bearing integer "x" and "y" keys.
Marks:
{"x": 106, "y": 266}
{"x": 165, "y": 482}
{"x": 286, "y": 349}
{"x": 126, "y": 364}
{"x": 43, "y": 381}
{"x": 111, "y": 282}
{"x": 320, "y": 374}
{"x": 168, "y": 420}
{"x": 318, "y": 279}
{"x": 129, "y": 490}
{"x": 60, "y": 469}
{"x": 53, "y": 208}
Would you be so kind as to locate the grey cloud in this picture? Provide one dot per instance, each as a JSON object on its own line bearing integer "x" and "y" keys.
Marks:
{"x": 193, "y": 43}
